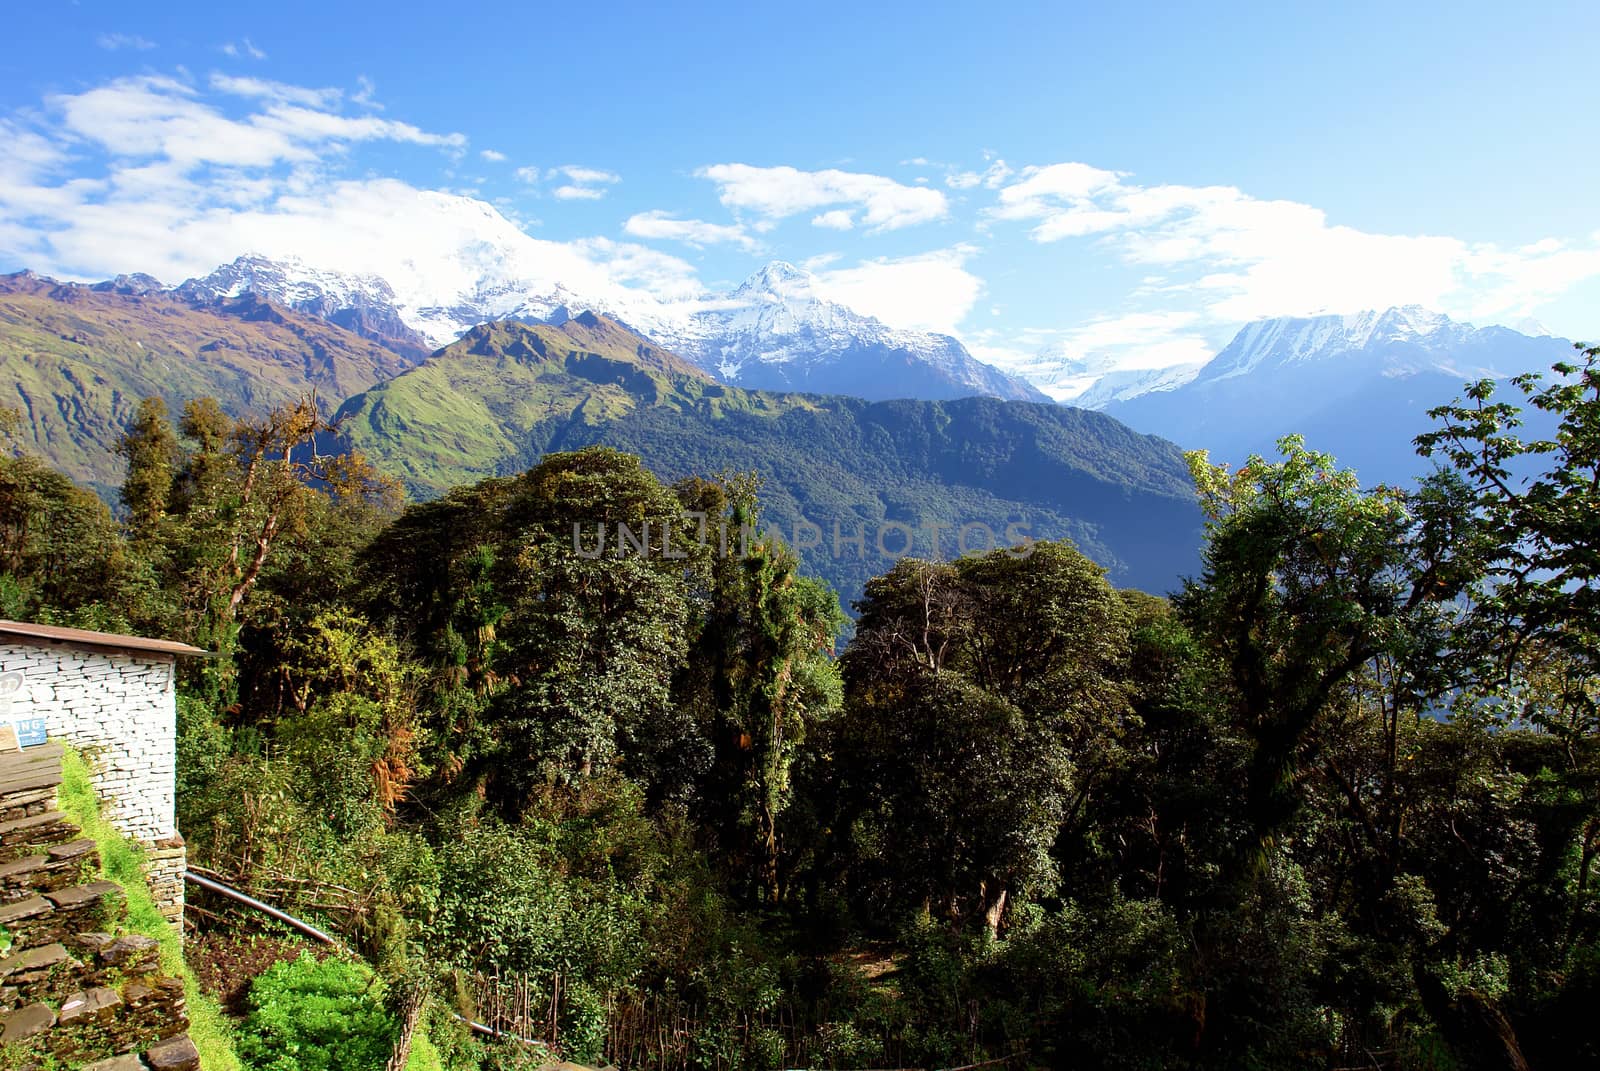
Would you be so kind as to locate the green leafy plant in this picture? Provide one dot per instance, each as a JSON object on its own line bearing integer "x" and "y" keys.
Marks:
{"x": 316, "y": 1016}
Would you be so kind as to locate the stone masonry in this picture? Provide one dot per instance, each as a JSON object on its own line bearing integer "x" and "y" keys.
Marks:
{"x": 75, "y": 989}
{"x": 115, "y": 701}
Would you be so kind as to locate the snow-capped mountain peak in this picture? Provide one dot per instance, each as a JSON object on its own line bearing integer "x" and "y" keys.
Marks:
{"x": 447, "y": 263}
{"x": 776, "y": 331}
{"x": 780, "y": 278}
{"x": 289, "y": 281}
{"x": 1357, "y": 386}
{"x": 1289, "y": 339}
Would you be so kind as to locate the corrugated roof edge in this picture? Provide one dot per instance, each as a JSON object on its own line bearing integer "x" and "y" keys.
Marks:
{"x": 102, "y": 640}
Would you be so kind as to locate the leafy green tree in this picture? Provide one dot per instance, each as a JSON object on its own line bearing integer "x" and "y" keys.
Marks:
{"x": 758, "y": 679}
{"x": 554, "y": 633}
{"x": 1530, "y": 655}
{"x": 248, "y": 488}
{"x": 151, "y": 449}
{"x": 982, "y": 696}
{"x": 1532, "y": 512}
{"x": 1307, "y": 579}
{"x": 61, "y": 556}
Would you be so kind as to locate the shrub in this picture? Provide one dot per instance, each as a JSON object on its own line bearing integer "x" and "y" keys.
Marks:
{"x": 311, "y": 1016}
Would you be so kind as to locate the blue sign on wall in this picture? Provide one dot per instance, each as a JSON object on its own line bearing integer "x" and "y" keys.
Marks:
{"x": 30, "y": 731}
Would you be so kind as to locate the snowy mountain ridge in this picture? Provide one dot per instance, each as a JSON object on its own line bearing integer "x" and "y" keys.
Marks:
{"x": 775, "y": 331}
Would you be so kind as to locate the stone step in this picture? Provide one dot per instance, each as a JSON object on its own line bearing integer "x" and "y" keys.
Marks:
{"x": 91, "y": 942}
{"x": 174, "y": 1054}
{"x": 90, "y": 1005}
{"x": 134, "y": 948}
{"x": 21, "y": 910}
{"x": 20, "y": 868}
{"x": 31, "y": 769}
{"x": 115, "y": 1063}
{"x": 18, "y": 830}
{"x": 72, "y": 850}
{"x": 16, "y": 805}
{"x": 34, "y": 959}
{"x": 79, "y": 897}
{"x": 26, "y": 1022}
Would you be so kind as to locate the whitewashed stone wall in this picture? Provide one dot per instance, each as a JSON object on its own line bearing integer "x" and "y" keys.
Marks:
{"x": 120, "y": 710}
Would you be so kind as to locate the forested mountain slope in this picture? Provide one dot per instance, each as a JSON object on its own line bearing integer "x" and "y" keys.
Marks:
{"x": 508, "y": 393}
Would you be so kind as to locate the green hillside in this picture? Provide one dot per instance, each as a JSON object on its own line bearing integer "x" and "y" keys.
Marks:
{"x": 507, "y": 393}
{"x": 76, "y": 360}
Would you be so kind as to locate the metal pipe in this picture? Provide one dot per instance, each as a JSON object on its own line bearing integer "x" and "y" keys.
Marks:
{"x": 267, "y": 909}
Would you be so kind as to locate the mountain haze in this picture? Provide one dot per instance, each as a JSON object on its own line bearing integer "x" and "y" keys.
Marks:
{"x": 778, "y": 331}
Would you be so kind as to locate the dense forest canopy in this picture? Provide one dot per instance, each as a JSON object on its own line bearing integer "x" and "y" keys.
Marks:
{"x": 1334, "y": 803}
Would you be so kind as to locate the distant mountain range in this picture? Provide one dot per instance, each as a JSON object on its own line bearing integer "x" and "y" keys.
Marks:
{"x": 774, "y": 332}
{"x": 1358, "y": 387}
{"x": 477, "y": 368}
{"x": 508, "y": 392}
{"x": 76, "y": 360}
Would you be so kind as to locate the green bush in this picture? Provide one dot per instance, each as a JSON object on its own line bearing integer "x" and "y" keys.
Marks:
{"x": 316, "y": 1016}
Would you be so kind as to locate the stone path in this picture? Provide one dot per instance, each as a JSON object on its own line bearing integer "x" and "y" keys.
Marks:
{"x": 72, "y": 990}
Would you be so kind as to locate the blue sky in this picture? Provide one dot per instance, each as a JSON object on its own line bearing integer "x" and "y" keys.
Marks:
{"x": 1131, "y": 184}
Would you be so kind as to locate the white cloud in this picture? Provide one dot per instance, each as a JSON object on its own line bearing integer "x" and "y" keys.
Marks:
{"x": 836, "y": 220}
{"x": 175, "y": 171}
{"x": 588, "y": 176}
{"x": 1243, "y": 258}
{"x": 153, "y": 116}
{"x": 493, "y": 156}
{"x": 180, "y": 186}
{"x": 696, "y": 232}
{"x": 1110, "y": 332}
{"x": 780, "y": 192}
{"x": 1065, "y": 362}
{"x": 990, "y": 177}
{"x": 663, "y": 276}
{"x": 115, "y": 42}
{"x": 310, "y": 124}
{"x": 276, "y": 91}
{"x": 366, "y": 89}
{"x": 243, "y": 48}
{"x": 927, "y": 292}
{"x": 577, "y": 193}
{"x": 583, "y": 183}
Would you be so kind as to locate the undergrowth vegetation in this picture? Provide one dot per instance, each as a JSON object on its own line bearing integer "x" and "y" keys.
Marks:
{"x": 1333, "y": 803}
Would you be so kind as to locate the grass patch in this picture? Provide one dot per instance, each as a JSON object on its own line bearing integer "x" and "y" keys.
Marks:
{"x": 121, "y": 861}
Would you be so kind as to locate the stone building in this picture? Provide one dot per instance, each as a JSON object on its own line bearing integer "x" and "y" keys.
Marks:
{"x": 114, "y": 699}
